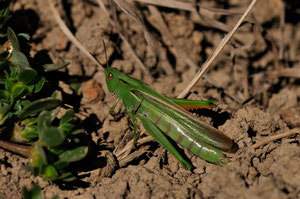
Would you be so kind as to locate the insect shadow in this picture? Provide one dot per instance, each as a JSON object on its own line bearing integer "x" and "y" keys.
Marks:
{"x": 217, "y": 118}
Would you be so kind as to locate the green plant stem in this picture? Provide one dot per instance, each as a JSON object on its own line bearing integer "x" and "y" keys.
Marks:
{"x": 16, "y": 148}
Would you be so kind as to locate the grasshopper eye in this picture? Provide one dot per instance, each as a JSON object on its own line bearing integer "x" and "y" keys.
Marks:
{"x": 110, "y": 76}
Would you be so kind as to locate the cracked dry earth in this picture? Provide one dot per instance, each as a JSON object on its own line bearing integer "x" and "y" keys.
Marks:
{"x": 241, "y": 72}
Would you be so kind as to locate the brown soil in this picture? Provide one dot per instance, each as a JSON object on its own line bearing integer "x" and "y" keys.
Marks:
{"x": 248, "y": 68}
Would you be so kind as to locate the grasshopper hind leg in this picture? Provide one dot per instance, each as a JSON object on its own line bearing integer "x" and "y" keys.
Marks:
{"x": 156, "y": 133}
{"x": 134, "y": 121}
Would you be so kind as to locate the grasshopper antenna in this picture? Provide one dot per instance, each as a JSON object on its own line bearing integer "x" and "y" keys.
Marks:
{"x": 104, "y": 66}
{"x": 104, "y": 46}
{"x": 97, "y": 59}
{"x": 94, "y": 56}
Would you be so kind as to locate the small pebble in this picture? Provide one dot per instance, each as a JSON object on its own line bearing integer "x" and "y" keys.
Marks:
{"x": 291, "y": 116}
{"x": 92, "y": 91}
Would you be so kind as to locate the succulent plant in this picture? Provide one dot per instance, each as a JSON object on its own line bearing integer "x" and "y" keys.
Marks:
{"x": 31, "y": 128}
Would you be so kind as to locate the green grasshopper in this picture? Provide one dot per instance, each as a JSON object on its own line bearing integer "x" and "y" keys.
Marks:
{"x": 162, "y": 116}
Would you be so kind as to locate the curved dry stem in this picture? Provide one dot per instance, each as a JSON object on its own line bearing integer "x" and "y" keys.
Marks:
{"x": 188, "y": 6}
{"x": 275, "y": 137}
{"x": 207, "y": 65}
{"x": 126, "y": 42}
{"x": 70, "y": 35}
{"x": 165, "y": 31}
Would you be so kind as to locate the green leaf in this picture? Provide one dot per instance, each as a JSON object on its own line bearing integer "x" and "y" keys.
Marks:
{"x": 53, "y": 67}
{"x": 49, "y": 136}
{"x": 74, "y": 155}
{"x": 33, "y": 193}
{"x": 68, "y": 116}
{"x": 52, "y": 137}
{"x": 18, "y": 90}
{"x": 77, "y": 131}
{"x": 44, "y": 121}
{"x": 50, "y": 172}
{"x": 56, "y": 94}
{"x": 30, "y": 88}
{"x": 4, "y": 108}
{"x": 67, "y": 177}
{"x": 17, "y": 109}
{"x": 29, "y": 133}
{"x": 13, "y": 73}
{"x": 66, "y": 127}
{"x": 39, "y": 106}
{"x": 38, "y": 157}
{"x": 4, "y": 111}
{"x": 9, "y": 83}
{"x": 19, "y": 59}
{"x": 13, "y": 38}
{"x": 42, "y": 154}
{"x": 5, "y": 117}
{"x": 39, "y": 85}
{"x": 31, "y": 122}
{"x": 57, "y": 150}
{"x": 74, "y": 84}
{"x": 4, "y": 94}
{"x": 27, "y": 75}
{"x": 5, "y": 14}
{"x": 24, "y": 103}
{"x": 61, "y": 165}
{"x": 24, "y": 35}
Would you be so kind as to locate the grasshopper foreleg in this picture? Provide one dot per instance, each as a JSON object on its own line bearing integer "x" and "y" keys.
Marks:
{"x": 112, "y": 109}
{"x": 133, "y": 118}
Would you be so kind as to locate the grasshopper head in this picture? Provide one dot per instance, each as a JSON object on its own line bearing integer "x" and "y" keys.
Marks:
{"x": 113, "y": 82}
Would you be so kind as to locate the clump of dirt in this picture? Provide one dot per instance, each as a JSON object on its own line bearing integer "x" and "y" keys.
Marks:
{"x": 254, "y": 80}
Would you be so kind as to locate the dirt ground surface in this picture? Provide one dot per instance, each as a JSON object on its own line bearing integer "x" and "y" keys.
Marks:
{"x": 255, "y": 80}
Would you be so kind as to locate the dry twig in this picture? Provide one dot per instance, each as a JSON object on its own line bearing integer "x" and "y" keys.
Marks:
{"x": 275, "y": 137}
{"x": 126, "y": 150}
{"x": 123, "y": 161}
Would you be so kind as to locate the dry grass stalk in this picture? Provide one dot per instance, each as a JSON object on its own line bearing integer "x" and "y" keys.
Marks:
{"x": 204, "y": 16}
{"x": 188, "y": 6}
{"x": 207, "y": 65}
{"x": 125, "y": 40}
{"x": 132, "y": 12}
{"x": 275, "y": 137}
{"x": 180, "y": 52}
{"x": 129, "y": 146}
{"x": 124, "y": 161}
{"x": 165, "y": 31}
{"x": 285, "y": 72}
{"x": 70, "y": 35}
